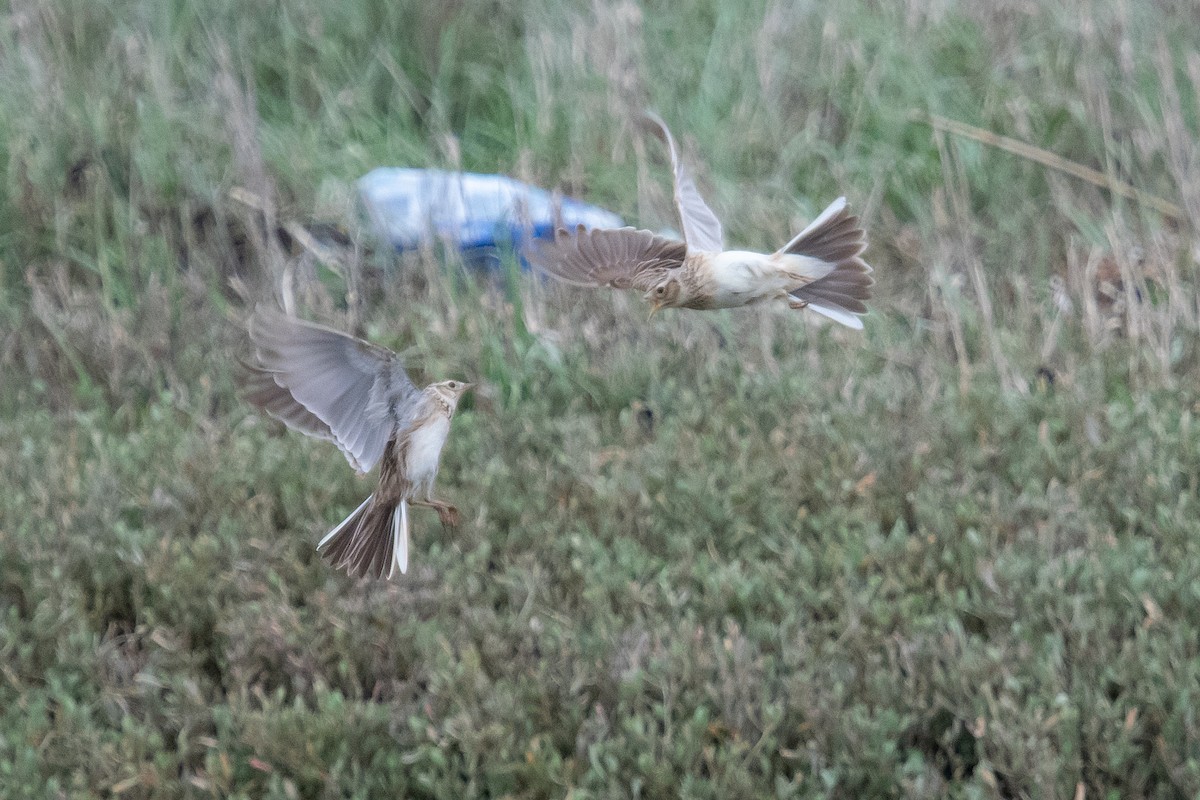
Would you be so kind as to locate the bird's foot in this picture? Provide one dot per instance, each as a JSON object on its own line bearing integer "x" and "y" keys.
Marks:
{"x": 448, "y": 514}
{"x": 797, "y": 304}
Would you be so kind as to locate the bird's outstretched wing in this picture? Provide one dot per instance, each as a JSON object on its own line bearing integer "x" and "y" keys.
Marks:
{"x": 623, "y": 258}
{"x": 701, "y": 228}
{"x": 328, "y": 384}
{"x": 260, "y": 389}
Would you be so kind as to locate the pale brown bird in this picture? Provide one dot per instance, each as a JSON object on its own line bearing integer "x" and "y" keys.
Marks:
{"x": 820, "y": 269}
{"x": 357, "y": 395}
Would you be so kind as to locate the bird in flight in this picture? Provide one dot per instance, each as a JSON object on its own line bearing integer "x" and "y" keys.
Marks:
{"x": 820, "y": 269}
{"x": 336, "y": 387}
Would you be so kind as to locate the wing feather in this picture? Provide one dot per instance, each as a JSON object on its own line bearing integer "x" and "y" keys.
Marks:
{"x": 701, "y": 228}
{"x": 340, "y": 387}
{"x": 260, "y": 389}
{"x": 622, "y": 258}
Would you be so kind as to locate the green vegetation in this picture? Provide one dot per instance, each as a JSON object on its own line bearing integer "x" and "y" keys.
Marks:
{"x": 716, "y": 555}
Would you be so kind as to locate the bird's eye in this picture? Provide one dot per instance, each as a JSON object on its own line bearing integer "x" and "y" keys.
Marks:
{"x": 453, "y": 384}
{"x": 661, "y": 290}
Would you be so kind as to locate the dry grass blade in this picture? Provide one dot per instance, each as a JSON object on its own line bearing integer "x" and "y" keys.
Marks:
{"x": 1046, "y": 158}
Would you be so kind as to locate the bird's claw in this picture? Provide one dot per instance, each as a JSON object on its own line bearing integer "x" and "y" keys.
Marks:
{"x": 449, "y": 516}
{"x": 798, "y": 305}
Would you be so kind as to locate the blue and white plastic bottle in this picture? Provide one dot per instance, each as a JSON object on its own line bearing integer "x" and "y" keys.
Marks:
{"x": 479, "y": 215}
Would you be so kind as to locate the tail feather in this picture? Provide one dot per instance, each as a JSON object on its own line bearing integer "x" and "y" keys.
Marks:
{"x": 843, "y": 294}
{"x": 371, "y": 542}
{"x": 833, "y": 236}
{"x": 837, "y": 315}
{"x": 836, "y": 238}
{"x": 399, "y": 540}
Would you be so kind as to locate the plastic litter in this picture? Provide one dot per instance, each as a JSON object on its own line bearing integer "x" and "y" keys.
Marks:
{"x": 480, "y": 215}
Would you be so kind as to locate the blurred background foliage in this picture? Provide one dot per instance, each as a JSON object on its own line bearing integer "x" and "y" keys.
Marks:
{"x": 713, "y": 555}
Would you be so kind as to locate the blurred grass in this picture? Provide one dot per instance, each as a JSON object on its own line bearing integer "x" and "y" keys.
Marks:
{"x": 738, "y": 554}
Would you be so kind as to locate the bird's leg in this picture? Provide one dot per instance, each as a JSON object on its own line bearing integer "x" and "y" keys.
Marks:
{"x": 447, "y": 513}
{"x": 793, "y": 302}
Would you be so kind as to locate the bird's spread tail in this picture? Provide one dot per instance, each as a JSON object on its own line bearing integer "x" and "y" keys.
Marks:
{"x": 372, "y": 541}
{"x": 836, "y": 238}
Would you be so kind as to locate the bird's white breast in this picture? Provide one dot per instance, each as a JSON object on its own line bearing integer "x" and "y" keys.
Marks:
{"x": 742, "y": 276}
{"x": 425, "y": 449}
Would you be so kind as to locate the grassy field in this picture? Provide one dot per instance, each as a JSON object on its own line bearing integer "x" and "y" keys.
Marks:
{"x": 738, "y": 554}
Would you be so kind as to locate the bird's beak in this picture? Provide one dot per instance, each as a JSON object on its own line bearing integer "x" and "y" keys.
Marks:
{"x": 466, "y": 386}
{"x": 655, "y": 306}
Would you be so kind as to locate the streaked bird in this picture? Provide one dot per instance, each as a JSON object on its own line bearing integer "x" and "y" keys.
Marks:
{"x": 357, "y": 395}
{"x": 820, "y": 269}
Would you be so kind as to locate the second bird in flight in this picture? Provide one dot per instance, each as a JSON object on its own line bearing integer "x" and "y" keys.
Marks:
{"x": 821, "y": 269}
